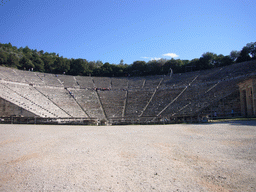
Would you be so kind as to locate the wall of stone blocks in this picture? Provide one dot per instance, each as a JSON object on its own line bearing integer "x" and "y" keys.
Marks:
{"x": 248, "y": 97}
{"x": 254, "y": 96}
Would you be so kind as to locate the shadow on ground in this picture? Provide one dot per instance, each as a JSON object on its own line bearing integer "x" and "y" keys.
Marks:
{"x": 248, "y": 123}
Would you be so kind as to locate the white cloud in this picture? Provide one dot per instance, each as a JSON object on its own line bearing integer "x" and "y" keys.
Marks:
{"x": 155, "y": 58}
{"x": 173, "y": 55}
{"x": 151, "y": 58}
{"x": 145, "y": 57}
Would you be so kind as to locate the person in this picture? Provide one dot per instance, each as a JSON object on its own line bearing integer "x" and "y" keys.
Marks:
{"x": 232, "y": 113}
{"x": 215, "y": 114}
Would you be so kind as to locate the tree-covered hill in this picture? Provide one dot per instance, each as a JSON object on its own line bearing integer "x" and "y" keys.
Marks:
{"x": 29, "y": 59}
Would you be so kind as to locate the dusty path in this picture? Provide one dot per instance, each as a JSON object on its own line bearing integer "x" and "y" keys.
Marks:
{"x": 204, "y": 157}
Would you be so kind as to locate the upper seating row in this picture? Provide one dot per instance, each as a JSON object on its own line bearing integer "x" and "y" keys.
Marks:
{"x": 150, "y": 82}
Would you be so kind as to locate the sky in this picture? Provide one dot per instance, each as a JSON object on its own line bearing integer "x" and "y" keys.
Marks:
{"x": 111, "y": 30}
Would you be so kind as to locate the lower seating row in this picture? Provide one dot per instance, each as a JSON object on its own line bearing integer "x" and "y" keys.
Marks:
{"x": 113, "y": 102}
{"x": 64, "y": 100}
{"x": 32, "y": 102}
{"x": 136, "y": 101}
{"x": 195, "y": 100}
{"x": 89, "y": 101}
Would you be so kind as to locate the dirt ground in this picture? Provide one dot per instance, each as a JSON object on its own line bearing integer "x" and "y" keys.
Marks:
{"x": 198, "y": 157}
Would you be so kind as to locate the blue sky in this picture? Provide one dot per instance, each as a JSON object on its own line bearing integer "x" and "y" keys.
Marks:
{"x": 131, "y": 30}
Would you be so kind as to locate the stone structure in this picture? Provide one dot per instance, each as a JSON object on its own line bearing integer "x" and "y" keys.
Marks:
{"x": 216, "y": 93}
{"x": 248, "y": 97}
{"x": 8, "y": 109}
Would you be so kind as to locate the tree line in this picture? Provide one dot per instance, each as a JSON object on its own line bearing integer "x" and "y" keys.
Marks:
{"x": 29, "y": 59}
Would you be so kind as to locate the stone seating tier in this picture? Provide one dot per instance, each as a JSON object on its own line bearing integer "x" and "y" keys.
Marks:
{"x": 113, "y": 102}
{"x": 191, "y": 92}
{"x": 136, "y": 101}
{"x": 14, "y": 96}
{"x": 67, "y": 80}
{"x": 119, "y": 83}
{"x": 10, "y": 74}
{"x": 49, "y": 79}
{"x": 102, "y": 82}
{"x": 89, "y": 101}
{"x": 160, "y": 100}
{"x": 85, "y": 82}
{"x": 30, "y": 77}
{"x": 204, "y": 99}
{"x": 136, "y": 82}
{"x": 62, "y": 98}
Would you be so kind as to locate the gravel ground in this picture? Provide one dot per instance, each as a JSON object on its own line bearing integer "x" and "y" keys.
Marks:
{"x": 199, "y": 157}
